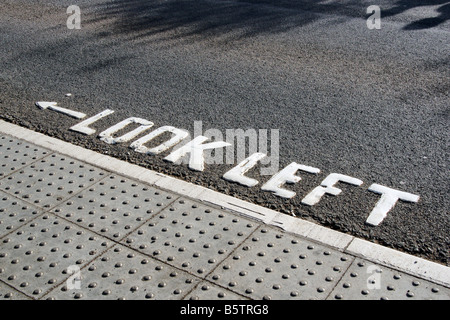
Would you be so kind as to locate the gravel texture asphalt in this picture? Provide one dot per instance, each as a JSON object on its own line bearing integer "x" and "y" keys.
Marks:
{"x": 371, "y": 104}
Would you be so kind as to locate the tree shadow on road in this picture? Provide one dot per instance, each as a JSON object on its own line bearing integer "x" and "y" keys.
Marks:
{"x": 230, "y": 19}
{"x": 187, "y": 19}
{"x": 402, "y": 6}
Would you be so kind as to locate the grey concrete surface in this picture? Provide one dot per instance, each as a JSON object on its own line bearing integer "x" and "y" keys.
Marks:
{"x": 109, "y": 237}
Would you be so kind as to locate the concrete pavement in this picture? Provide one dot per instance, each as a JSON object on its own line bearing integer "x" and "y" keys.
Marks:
{"x": 75, "y": 224}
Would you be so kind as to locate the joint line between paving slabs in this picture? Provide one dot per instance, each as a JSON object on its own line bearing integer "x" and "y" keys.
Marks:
{"x": 29, "y": 164}
{"x": 69, "y": 275}
{"x": 342, "y": 276}
{"x": 15, "y": 289}
{"x": 59, "y": 202}
{"x": 226, "y": 257}
{"x": 22, "y": 168}
{"x": 48, "y": 151}
{"x": 96, "y": 232}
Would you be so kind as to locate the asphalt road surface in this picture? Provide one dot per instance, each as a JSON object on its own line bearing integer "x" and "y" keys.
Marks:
{"x": 372, "y": 104}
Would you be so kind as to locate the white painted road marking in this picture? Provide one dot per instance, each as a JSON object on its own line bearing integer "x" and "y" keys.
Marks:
{"x": 327, "y": 187}
{"x": 389, "y": 198}
{"x": 179, "y": 135}
{"x": 53, "y": 106}
{"x": 237, "y": 173}
{"x": 195, "y": 149}
{"x": 347, "y": 244}
{"x": 287, "y": 175}
{"x": 83, "y": 127}
{"x": 107, "y": 135}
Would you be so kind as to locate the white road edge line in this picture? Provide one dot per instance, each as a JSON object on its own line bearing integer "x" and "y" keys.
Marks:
{"x": 391, "y": 258}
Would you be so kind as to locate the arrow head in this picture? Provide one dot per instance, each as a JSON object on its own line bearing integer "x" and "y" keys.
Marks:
{"x": 44, "y": 104}
{"x": 53, "y": 106}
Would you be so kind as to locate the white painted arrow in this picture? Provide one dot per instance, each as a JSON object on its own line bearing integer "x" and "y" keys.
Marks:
{"x": 53, "y": 106}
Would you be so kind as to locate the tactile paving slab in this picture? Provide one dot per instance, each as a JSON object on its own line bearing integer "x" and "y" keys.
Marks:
{"x": 366, "y": 281}
{"x": 209, "y": 291}
{"x": 15, "y": 154}
{"x": 191, "y": 236}
{"x": 14, "y": 213}
{"x": 122, "y": 273}
{"x": 127, "y": 240}
{"x": 274, "y": 265}
{"x": 8, "y": 293}
{"x": 35, "y": 257}
{"x": 115, "y": 206}
{"x": 51, "y": 180}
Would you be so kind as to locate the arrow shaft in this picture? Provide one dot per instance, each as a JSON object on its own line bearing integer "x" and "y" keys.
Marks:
{"x": 74, "y": 114}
